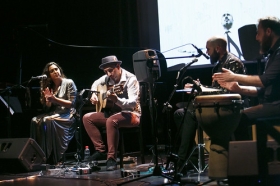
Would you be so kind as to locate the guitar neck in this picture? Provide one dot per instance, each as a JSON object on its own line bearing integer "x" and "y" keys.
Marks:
{"x": 115, "y": 89}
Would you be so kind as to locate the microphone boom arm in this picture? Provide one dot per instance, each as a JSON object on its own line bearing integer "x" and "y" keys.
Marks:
{"x": 183, "y": 70}
{"x": 179, "y": 78}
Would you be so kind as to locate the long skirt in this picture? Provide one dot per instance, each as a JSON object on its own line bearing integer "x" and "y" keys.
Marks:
{"x": 53, "y": 134}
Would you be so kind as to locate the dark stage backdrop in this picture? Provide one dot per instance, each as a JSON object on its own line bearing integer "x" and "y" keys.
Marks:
{"x": 74, "y": 34}
{"x": 77, "y": 34}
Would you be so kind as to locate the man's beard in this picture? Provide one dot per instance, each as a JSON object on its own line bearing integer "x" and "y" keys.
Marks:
{"x": 266, "y": 44}
{"x": 214, "y": 57}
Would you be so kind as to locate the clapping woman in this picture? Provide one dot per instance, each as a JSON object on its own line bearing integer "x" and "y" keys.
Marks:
{"x": 54, "y": 129}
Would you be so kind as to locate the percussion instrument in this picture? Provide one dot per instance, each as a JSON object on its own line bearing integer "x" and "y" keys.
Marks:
{"x": 205, "y": 90}
{"x": 218, "y": 116}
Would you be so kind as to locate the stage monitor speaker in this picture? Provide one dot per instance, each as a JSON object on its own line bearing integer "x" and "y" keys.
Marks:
{"x": 243, "y": 158}
{"x": 143, "y": 61}
{"x": 20, "y": 155}
{"x": 249, "y": 45}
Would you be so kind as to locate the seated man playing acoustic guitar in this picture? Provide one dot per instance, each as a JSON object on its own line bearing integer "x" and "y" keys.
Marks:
{"x": 124, "y": 112}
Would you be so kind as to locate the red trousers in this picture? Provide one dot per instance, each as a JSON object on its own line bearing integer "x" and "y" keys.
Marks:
{"x": 94, "y": 120}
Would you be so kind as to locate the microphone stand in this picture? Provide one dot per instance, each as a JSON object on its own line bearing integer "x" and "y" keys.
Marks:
{"x": 172, "y": 157}
{"x": 167, "y": 107}
{"x": 157, "y": 170}
{"x": 164, "y": 58}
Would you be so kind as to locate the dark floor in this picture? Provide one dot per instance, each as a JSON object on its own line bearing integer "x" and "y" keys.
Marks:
{"x": 68, "y": 175}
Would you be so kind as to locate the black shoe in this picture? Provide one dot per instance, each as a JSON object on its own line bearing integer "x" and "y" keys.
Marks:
{"x": 111, "y": 164}
{"x": 98, "y": 156}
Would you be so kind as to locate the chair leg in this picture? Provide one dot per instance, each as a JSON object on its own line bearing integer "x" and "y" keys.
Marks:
{"x": 261, "y": 151}
{"x": 141, "y": 145}
{"x": 121, "y": 143}
{"x": 79, "y": 143}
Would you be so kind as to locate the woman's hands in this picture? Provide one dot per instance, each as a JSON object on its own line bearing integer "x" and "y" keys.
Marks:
{"x": 49, "y": 96}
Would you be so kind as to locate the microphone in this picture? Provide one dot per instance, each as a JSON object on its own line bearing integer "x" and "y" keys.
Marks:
{"x": 40, "y": 77}
{"x": 200, "y": 52}
{"x": 184, "y": 69}
{"x": 196, "y": 86}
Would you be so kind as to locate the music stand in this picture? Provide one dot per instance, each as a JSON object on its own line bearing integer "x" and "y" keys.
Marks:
{"x": 13, "y": 105}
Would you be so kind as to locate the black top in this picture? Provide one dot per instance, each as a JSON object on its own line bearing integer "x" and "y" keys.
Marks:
{"x": 271, "y": 76}
{"x": 231, "y": 62}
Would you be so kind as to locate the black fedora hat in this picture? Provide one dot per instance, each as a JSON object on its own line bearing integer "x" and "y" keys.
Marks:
{"x": 109, "y": 59}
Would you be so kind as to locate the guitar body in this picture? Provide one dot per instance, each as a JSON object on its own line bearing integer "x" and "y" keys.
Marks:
{"x": 103, "y": 101}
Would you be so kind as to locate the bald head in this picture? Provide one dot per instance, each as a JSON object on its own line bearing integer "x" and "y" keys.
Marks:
{"x": 218, "y": 41}
{"x": 216, "y": 48}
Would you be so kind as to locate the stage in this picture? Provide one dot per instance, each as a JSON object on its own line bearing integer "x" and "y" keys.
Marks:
{"x": 67, "y": 175}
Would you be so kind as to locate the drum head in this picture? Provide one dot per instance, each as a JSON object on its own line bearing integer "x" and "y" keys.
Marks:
{"x": 221, "y": 99}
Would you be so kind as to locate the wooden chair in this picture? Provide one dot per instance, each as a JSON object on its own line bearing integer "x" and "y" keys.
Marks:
{"x": 122, "y": 153}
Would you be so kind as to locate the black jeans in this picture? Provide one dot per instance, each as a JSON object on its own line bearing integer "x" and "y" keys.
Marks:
{"x": 186, "y": 130}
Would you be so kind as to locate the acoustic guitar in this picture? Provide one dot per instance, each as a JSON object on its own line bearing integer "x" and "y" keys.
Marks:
{"x": 104, "y": 101}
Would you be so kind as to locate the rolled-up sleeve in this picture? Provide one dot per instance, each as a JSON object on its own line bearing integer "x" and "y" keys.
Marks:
{"x": 271, "y": 78}
{"x": 133, "y": 93}
{"x": 100, "y": 81}
{"x": 272, "y": 71}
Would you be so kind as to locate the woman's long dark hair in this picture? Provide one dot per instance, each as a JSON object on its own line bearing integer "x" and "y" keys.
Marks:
{"x": 44, "y": 83}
